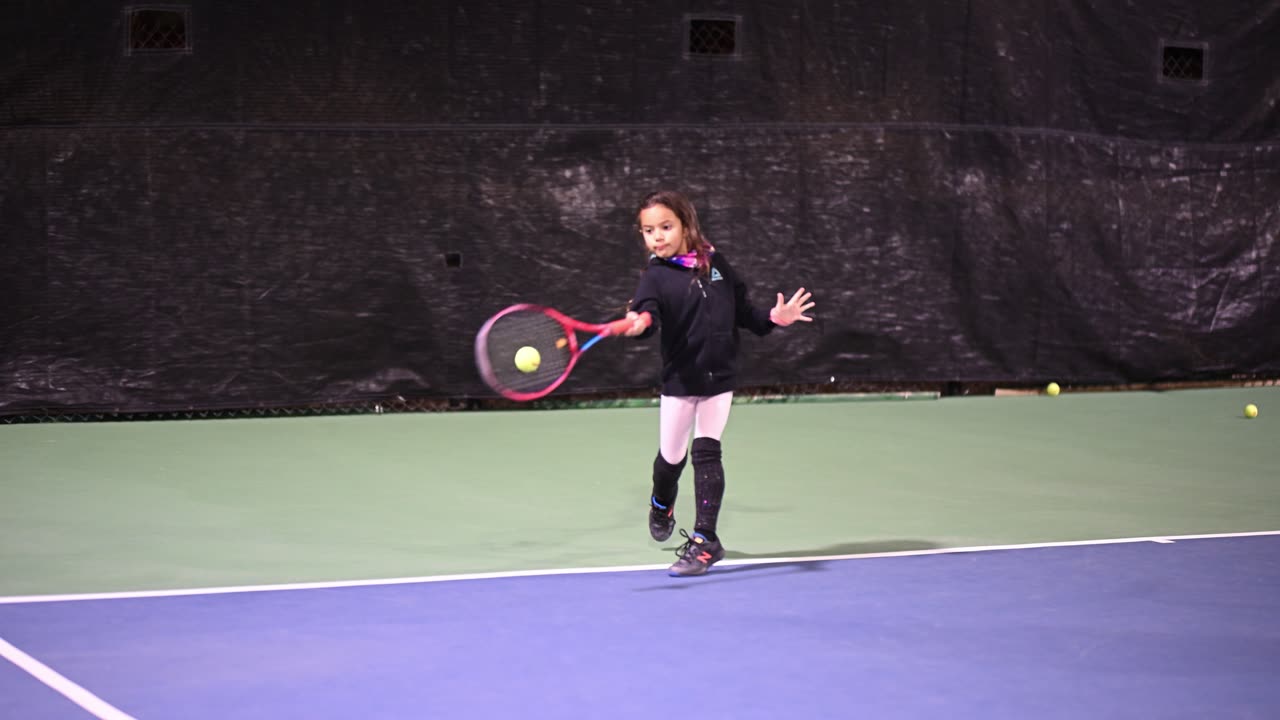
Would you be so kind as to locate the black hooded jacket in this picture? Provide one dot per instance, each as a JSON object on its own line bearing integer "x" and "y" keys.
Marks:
{"x": 698, "y": 316}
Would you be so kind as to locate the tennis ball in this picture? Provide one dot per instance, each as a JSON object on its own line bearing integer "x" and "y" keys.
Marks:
{"x": 527, "y": 359}
{"x": 1052, "y": 389}
{"x": 1251, "y": 410}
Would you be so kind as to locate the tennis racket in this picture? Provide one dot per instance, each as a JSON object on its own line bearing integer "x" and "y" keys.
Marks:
{"x": 525, "y": 351}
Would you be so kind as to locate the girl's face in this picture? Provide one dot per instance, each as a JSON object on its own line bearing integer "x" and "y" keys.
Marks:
{"x": 663, "y": 233}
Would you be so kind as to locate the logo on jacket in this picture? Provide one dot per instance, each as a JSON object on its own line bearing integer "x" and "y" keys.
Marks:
{"x": 715, "y": 275}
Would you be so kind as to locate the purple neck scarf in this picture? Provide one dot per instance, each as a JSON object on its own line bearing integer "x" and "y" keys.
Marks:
{"x": 689, "y": 259}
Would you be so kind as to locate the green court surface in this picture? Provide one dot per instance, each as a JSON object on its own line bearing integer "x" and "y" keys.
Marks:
{"x": 98, "y": 507}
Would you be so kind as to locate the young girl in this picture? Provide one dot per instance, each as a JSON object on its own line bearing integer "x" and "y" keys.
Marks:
{"x": 699, "y": 303}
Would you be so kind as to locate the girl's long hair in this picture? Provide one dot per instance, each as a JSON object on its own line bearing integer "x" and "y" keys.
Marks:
{"x": 688, "y": 216}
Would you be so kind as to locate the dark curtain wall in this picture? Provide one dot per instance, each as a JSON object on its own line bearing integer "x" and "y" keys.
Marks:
{"x": 975, "y": 191}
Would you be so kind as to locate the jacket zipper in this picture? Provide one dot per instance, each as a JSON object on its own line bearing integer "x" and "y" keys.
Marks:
{"x": 706, "y": 316}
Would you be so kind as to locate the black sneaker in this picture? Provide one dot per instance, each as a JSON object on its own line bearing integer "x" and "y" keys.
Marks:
{"x": 662, "y": 520}
{"x": 697, "y": 555}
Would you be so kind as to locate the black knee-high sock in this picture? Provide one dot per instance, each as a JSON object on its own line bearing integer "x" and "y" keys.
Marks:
{"x": 708, "y": 485}
{"x": 665, "y": 479}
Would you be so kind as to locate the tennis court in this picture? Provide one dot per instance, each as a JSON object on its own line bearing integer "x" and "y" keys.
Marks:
{"x": 295, "y": 420}
{"x": 1091, "y": 555}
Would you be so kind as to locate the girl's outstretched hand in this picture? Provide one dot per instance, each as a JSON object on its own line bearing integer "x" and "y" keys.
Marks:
{"x": 789, "y": 311}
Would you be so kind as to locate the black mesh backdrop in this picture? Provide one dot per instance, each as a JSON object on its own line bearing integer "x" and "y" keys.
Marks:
{"x": 975, "y": 191}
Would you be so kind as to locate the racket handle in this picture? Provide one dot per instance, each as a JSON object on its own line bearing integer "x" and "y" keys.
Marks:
{"x": 619, "y": 327}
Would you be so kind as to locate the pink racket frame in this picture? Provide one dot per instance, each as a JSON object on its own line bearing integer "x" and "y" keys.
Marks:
{"x": 571, "y": 327}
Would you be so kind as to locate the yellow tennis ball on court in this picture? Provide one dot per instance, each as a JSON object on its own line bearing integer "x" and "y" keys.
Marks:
{"x": 1052, "y": 389}
{"x": 528, "y": 359}
{"x": 1251, "y": 410}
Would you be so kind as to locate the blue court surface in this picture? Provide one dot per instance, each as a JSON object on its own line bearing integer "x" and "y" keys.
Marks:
{"x": 1182, "y": 628}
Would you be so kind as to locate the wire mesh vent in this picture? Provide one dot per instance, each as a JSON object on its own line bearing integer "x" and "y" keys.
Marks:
{"x": 159, "y": 30}
{"x": 712, "y": 37}
{"x": 1183, "y": 62}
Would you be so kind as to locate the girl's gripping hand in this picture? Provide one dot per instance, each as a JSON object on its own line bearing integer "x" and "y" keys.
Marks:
{"x": 638, "y": 324}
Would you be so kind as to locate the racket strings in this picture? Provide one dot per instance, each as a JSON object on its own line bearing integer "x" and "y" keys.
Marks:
{"x": 527, "y": 328}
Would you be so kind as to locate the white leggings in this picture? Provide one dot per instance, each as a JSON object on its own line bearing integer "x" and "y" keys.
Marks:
{"x": 678, "y": 415}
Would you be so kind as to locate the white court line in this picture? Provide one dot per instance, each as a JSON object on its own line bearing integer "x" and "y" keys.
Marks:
{"x": 326, "y": 585}
{"x": 93, "y": 704}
